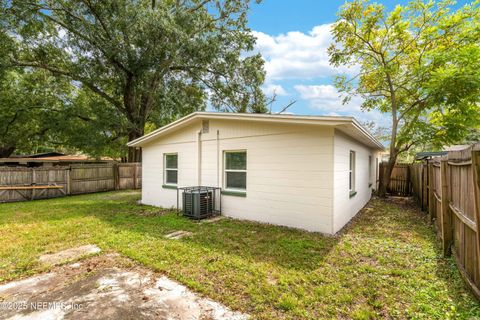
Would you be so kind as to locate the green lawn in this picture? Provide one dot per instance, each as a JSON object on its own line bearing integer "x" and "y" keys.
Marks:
{"x": 386, "y": 264}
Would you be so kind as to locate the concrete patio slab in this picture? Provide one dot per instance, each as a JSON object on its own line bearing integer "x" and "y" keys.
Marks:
{"x": 106, "y": 287}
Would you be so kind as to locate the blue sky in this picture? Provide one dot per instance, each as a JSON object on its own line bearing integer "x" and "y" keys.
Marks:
{"x": 292, "y": 36}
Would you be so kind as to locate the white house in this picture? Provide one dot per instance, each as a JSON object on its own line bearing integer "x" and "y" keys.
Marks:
{"x": 307, "y": 172}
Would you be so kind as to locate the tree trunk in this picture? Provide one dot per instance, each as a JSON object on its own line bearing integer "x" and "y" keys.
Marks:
{"x": 134, "y": 154}
{"x": 382, "y": 189}
{"x": 6, "y": 152}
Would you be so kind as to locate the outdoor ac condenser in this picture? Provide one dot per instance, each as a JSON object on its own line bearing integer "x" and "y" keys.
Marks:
{"x": 198, "y": 204}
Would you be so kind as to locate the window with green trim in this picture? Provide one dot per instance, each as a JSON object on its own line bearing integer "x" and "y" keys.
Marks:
{"x": 369, "y": 171}
{"x": 170, "y": 164}
{"x": 235, "y": 170}
{"x": 352, "y": 172}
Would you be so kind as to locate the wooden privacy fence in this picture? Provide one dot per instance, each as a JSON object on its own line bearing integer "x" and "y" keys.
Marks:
{"x": 448, "y": 188}
{"x": 419, "y": 181}
{"x": 400, "y": 179}
{"x": 20, "y": 183}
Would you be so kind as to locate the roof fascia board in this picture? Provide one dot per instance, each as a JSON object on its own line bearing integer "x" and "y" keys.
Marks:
{"x": 313, "y": 120}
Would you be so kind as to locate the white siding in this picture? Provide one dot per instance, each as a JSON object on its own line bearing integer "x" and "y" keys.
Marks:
{"x": 297, "y": 175}
{"x": 346, "y": 207}
{"x": 181, "y": 142}
{"x": 289, "y": 170}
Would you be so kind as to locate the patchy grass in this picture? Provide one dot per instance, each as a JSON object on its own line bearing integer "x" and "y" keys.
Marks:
{"x": 385, "y": 264}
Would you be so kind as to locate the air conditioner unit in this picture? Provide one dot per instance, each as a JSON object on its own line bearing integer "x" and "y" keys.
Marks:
{"x": 197, "y": 204}
{"x": 200, "y": 202}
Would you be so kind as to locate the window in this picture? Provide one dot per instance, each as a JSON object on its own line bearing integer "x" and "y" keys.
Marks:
{"x": 352, "y": 172}
{"x": 235, "y": 170}
{"x": 171, "y": 168}
{"x": 369, "y": 171}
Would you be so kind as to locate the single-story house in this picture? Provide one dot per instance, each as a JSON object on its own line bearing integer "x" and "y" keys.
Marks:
{"x": 308, "y": 172}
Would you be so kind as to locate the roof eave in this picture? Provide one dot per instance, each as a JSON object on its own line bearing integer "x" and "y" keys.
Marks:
{"x": 331, "y": 121}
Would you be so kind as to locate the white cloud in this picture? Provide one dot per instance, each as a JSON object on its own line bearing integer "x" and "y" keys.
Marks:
{"x": 297, "y": 55}
{"x": 328, "y": 100}
{"x": 270, "y": 89}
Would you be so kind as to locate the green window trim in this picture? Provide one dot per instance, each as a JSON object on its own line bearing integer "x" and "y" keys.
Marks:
{"x": 169, "y": 186}
{"x": 234, "y": 193}
{"x": 235, "y": 170}
{"x": 352, "y": 194}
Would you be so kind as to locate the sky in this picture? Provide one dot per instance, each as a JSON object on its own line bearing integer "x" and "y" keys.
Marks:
{"x": 293, "y": 37}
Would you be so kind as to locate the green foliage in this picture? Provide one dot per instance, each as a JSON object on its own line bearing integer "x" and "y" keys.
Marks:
{"x": 29, "y": 103}
{"x": 153, "y": 61}
{"x": 419, "y": 63}
{"x": 382, "y": 134}
{"x": 455, "y": 91}
{"x": 386, "y": 264}
{"x": 92, "y": 125}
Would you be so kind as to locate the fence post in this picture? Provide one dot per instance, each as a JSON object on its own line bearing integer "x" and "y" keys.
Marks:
{"x": 424, "y": 186}
{"x": 116, "y": 175}
{"x": 34, "y": 181}
{"x": 70, "y": 179}
{"x": 446, "y": 225}
{"x": 67, "y": 180}
{"x": 431, "y": 205}
{"x": 409, "y": 182}
{"x": 380, "y": 174}
{"x": 476, "y": 190}
{"x": 135, "y": 176}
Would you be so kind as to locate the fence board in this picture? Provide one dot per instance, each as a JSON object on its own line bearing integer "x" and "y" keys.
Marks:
{"x": 453, "y": 193}
{"x": 74, "y": 179}
{"x": 399, "y": 179}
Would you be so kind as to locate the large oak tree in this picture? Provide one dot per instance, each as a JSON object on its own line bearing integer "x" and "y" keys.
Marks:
{"x": 419, "y": 63}
{"x": 150, "y": 59}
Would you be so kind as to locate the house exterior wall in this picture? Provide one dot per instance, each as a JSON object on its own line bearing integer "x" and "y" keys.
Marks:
{"x": 347, "y": 206}
{"x": 289, "y": 170}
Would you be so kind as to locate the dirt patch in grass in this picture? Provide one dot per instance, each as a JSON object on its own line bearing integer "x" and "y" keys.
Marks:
{"x": 69, "y": 254}
{"x": 148, "y": 212}
{"x": 176, "y": 235}
{"x": 106, "y": 287}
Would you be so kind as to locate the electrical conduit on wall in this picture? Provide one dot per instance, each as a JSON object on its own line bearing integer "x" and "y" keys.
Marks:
{"x": 218, "y": 158}
{"x": 199, "y": 162}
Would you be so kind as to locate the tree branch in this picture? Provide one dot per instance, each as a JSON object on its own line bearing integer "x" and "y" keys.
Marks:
{"x": 287, "y": 106}
{"x": 73, "y": 76}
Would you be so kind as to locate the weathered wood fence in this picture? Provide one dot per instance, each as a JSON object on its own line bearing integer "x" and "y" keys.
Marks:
{"x": 400, "y": 183}
{"x": 73, "y": 179}
{"x": 448, "y": 188}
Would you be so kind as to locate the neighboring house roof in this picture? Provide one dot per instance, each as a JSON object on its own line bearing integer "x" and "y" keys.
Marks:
{"x": 429, "y": 154}
{"x": 456, "y": 147}
{"x": 347, "y": 125}
{"x": 62, "y": 158}
{"x": 40, "y": 155}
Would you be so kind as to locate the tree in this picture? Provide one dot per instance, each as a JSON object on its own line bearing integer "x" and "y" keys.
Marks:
{"x": 382, "y": 134}
{"x": 148, "y": 59}
{"x": 92, "y": 125}
{"x": 27, "y": 102}
{"x": 418, "y": 63}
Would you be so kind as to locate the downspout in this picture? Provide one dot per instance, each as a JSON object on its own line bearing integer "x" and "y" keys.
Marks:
{"x": 199, "y": 164}
{"x": 218, "y": 158}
